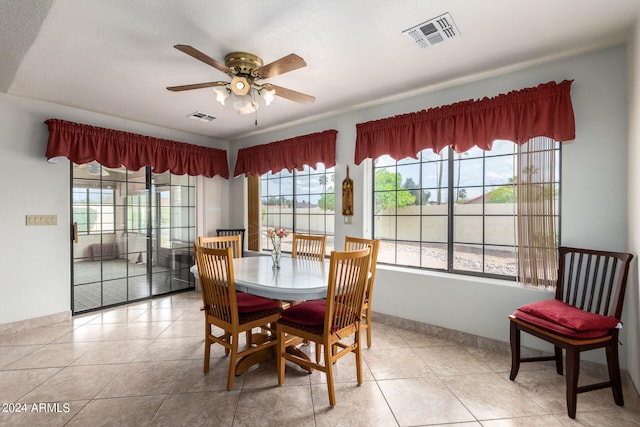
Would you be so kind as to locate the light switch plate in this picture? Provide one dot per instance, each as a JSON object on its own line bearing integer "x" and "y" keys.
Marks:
{"x": 42, "y": 220}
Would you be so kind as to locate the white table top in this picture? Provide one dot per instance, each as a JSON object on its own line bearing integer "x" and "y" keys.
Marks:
{"x": 295, "y": 280}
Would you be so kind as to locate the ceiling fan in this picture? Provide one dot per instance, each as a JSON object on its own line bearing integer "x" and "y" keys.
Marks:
{"x": 245, "y": 70}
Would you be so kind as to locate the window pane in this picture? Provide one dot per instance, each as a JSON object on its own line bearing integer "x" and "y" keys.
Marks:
{"x": 409, "y": 228}
{"x": 408, "y": 253}
{"x": 501, "y": 261}
{"x": 499, "y": 170}
{"x": 387, "y": 251}
{"x": 385, "y": 227}
{"x": 467, "y": 258}
{"x": 434, "y": 229}
{"x": 385, "y": 202}
{"x": 468, "y": 229}
{"x": 302, "y": 184}
{"x": 434, "y": 255}
{"x": 500, "y": 230}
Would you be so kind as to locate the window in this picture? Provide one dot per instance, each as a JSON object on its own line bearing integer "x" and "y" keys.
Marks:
{"x": 451, "y": 211}
{"x": 93, "y": 209}
{"x": 302, "y": 202}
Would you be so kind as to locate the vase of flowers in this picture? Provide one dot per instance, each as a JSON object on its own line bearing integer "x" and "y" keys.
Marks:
{"x": 276, "y": 235}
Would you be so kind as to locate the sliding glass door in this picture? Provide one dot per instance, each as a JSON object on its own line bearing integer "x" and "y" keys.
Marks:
{"x": 133, "y": 235}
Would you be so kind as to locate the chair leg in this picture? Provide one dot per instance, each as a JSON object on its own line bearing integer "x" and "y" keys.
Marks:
{"x": 558, "y": 358}
{"x": 358, "y": 342}
{"x": 514, "y": 338}
{"x": 207, "y": 346}
{"x": 281, "y": 348}
{"x": 614, "y": 372}
{"x": 328, "y": 365}
{"x": 573, "y": 370}
{"x": 232, "y": 362}
{"x": 368, "y": 327}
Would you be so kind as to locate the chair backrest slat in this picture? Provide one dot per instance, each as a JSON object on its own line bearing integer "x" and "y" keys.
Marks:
{"x": 593, "y": 280}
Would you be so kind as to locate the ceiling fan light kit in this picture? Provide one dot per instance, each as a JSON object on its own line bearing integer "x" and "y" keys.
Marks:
{"x": 245, "y": 69}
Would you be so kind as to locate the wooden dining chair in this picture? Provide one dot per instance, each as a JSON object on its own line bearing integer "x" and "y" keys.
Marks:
{"x": 584, "y": 315}
{"x": 356, "y": 243}
{"x": 233, "y": 312}
{"x": 329, "y": 321}
{"x": 234, "y": 241}
{"x": 306, "y": 246}
{"x": 353, "y": 244}
{"x": 232, "y": 232}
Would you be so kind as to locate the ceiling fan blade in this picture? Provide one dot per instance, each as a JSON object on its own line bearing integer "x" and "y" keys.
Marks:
{"x": 192, "y": 51}
{"x": 283, "y": 65}
{"x": 291, "y": 95}
{"x": 196, "y": 86}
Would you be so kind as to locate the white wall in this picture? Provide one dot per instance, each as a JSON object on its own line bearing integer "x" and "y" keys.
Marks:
{"x": 594, "y": 175}
{"x": 35, "y": 261}
{"x": 632, "y": 301}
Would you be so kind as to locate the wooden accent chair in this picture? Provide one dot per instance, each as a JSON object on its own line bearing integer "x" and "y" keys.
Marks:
{"x": 356, "y": 243}
{"x": 305, "y": 246}
{"x": 329, "y": 321}
{"x": 584, "y": 315}
{"x": 233, "y": 312}
{"x": 232, "y": 232}
{"x": 233, "y": 241}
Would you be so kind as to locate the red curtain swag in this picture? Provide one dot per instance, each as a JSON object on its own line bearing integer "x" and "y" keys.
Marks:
{"x": 517, "y": 116}
{"x": 293, "y": 153}
{"x": 113, "y": 148}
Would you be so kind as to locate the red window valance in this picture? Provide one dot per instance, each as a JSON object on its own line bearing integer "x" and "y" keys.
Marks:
{"x": 288, "y": 154}
{"x": 517, "y": 116}
{"x": 113, "y": 148}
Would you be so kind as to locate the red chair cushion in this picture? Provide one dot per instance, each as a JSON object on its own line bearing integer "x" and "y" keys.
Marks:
{"x": 248, "y": 303}
{"x": 308, "y": 313}
{"x": 566, "y": 319}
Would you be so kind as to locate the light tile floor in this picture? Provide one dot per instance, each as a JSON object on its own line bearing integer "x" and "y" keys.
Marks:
{"x": 141, "y": 365}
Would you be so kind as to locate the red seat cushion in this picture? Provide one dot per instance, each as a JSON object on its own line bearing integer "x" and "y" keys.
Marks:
{"x": 248, "y": 303}
{"x": 308, "y": 313}
{"x": 566, "y": 319}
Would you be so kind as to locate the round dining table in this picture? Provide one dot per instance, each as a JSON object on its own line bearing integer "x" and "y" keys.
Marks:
{"x": 295, "y": 280}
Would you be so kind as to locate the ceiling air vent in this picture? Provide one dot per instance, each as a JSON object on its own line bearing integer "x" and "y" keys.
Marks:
{"x": 201, "y": 116}
{"x": 434, "y": 31}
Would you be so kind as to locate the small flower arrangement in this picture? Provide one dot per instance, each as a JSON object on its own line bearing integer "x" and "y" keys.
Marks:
{"x": 276, "y": 235}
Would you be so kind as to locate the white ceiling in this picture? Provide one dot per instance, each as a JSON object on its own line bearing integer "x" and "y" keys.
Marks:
{"x": 116, "y": 57}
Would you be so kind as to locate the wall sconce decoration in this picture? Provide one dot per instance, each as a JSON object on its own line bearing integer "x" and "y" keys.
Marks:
{"x": 347, "y": 195}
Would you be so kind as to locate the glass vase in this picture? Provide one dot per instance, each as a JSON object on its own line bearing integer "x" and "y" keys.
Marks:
{"x": 275, "y": 254}
{"x": 275, "y": 257}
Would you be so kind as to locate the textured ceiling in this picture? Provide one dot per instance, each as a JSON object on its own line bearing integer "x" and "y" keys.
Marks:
{"x": 116, "y": 57}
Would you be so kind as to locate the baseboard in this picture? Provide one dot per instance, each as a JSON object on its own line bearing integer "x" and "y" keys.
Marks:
{"x": 36, "y": 322}
{"x": 587, "y": 367}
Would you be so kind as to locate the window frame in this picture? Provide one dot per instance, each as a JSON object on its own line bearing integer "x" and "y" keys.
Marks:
{"x": 451, "y": 192}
